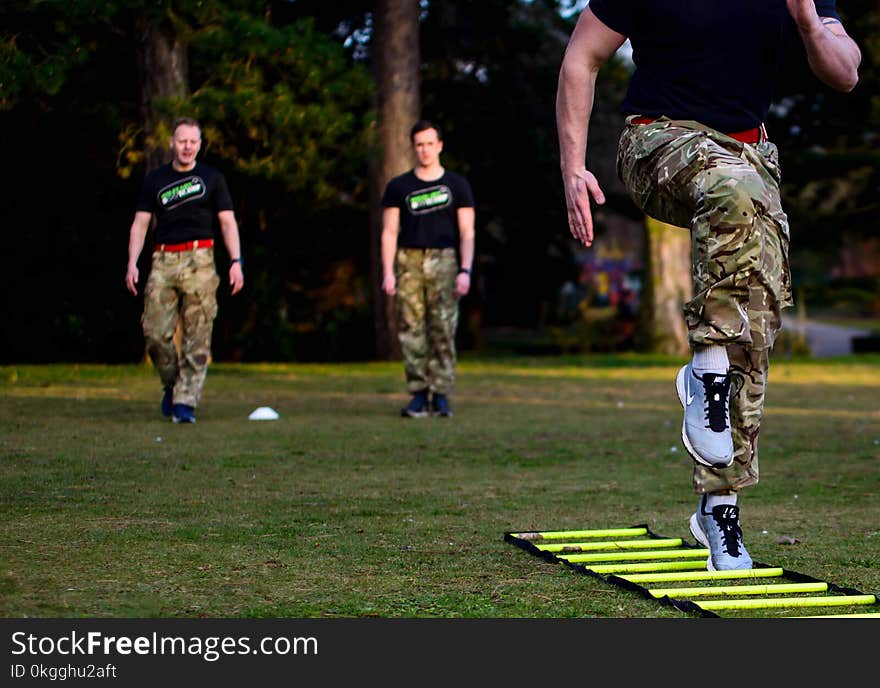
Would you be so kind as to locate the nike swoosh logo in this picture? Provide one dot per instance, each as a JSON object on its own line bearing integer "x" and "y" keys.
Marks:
{"x": 690, "y": 397}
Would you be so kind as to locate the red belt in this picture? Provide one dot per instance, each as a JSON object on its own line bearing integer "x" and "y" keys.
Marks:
{"x": 755, "y": 135}
{"x": 185, "y": 246}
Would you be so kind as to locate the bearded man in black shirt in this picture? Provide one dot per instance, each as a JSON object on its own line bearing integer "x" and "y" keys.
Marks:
{"x": 186, "y": 197}
{"x": 694, "y": 153}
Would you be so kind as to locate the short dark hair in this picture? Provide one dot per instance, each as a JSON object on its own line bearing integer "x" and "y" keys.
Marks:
{"x": 424, "y": 125}
{"x": 187, "y": 121}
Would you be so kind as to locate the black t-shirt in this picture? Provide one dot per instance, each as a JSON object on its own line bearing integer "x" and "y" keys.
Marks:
{"x": 713, "y": 61}
{"x": 185, "y": 203}
{"x": 428, "y": 209}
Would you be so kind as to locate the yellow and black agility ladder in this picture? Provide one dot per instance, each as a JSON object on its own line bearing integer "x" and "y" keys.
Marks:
{"x": 673, "y": 572}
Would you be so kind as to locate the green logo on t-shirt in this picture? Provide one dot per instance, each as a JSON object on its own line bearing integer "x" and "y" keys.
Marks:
{"x": 427, "y": 200}
{"x": 181, "y": 192}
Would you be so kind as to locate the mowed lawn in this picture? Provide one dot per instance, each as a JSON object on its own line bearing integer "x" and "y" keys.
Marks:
{"x": 341, "y": 508}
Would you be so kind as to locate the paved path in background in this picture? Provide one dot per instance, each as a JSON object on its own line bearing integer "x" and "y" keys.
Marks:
{"x": 825, "y": 340}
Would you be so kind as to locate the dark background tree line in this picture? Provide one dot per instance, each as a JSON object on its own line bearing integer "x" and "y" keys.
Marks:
{"x": 291, "y": 98}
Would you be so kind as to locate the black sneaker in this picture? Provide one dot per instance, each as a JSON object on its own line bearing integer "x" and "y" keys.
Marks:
{"x": 168, "y": 402}
{"x": 417, "y": 406}
{"x": 440, "y": 406}
{"x": 183, "y": 414}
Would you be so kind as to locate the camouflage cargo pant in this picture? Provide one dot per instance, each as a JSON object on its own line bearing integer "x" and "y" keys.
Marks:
{"x": 727, "y": 193}
{"x": 427, "y": 317}
{"x": 181, "y": 286}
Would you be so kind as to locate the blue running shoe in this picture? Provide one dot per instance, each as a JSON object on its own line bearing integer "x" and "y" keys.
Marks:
{"x": 168, "y": 402}
{"x": 417, "y": 406}
{"x": 720, "y": 532}
{"x": 705, "y": 429}
{"x": 440, "y": 406}
{"x": 183, "y": 414}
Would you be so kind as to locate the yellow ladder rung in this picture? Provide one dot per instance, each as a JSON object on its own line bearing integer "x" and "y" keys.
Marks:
{"x": 629, "y": 556}
{"x": 774, "y": 572}
{"x": 617, "y": 544}
{"x": 873, "y": 615}
{"x": 826, "y": 601}
{"x": 577, "y": 534}
{"x": 773, "y": 589}
{"x": 649, "y": 566}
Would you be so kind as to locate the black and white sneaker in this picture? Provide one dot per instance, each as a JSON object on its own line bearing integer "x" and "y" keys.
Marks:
{"x": 720, "y": 532}
{"x": 705, "y": 429}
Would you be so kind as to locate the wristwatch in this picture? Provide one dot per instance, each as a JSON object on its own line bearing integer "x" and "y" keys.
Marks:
{"x": 237, "y": 260}
{"x": 466, "y": 271}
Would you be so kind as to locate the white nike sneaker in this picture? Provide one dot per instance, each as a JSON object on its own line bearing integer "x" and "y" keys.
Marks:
{"x": 705, "y": 430}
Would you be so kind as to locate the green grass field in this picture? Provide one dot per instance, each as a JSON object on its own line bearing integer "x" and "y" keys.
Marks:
{"x": 343, "y": 509}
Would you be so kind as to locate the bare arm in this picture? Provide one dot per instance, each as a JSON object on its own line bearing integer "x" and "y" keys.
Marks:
{"x": 832, "y": 55}
{"x": 136, "y": 237}
{"x": 590, "y": 45}
{"x": 390, "y": 229}
{"x": 229, "y": 229}
{"x": 466, "y": 249}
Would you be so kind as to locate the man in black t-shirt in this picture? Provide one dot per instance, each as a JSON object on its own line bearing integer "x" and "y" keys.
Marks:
{"x": 427, "y": 256}
{"x": 186, "y": 197}
{"x": 694, "y": 153}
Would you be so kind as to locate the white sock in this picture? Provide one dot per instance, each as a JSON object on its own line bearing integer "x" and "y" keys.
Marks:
{"x": 711, "y": 359}
{"x": 713, "y": 500}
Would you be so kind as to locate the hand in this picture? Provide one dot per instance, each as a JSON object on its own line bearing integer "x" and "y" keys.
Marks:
{"x": 804, "y": 14}
{"x": 462, "y": 284}
{"x": 579, "y": 186}
{"x": 236, "y": 278}
{"x": 389, "y": 285}
{"x": 131, "y": 279}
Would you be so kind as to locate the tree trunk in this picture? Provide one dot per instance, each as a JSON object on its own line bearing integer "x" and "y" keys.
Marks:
{"x": 397, "y": 59}
{"x": 667, "y": 288}
{"x": 163, "y": 73}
